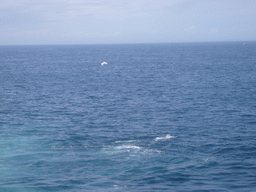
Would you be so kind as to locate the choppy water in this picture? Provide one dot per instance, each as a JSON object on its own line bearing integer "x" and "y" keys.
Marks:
{"x": 170, "y": 117}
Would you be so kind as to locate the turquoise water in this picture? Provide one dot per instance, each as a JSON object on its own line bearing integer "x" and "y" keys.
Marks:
{"x": 157, "y": 117}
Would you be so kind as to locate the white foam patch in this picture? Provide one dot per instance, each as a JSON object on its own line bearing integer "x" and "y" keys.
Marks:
{"x": 168, "y": 136}
{"x": 126, "y": 141}
{"x": 128, "y": 147}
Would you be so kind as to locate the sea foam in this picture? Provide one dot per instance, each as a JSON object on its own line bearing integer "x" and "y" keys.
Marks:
{"x": 168, "y": 136}
{"x": 129, "y": 147}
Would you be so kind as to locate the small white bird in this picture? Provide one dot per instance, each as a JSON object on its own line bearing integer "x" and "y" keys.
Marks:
{"x": 103, "y": 63}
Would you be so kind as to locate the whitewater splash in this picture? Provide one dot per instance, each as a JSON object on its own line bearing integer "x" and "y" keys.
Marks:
{"x": 128, "y": 147}
{"x": 126, "y": 141}
{"x": 131, "y": 150}
{"x": 103, "y": 63}
{"x": 168, "y": 136}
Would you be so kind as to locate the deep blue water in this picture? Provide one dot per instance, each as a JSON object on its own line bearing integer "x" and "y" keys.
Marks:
{"x": 170, "y": 117}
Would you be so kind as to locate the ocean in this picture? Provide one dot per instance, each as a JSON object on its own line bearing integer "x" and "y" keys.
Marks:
{"x": 156, "y": 117}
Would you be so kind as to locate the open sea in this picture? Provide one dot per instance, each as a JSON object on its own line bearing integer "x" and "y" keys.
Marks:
{"x": 157, "y": 117}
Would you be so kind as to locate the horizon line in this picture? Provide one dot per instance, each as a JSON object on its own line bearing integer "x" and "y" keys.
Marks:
{"x": 73, "y": 44}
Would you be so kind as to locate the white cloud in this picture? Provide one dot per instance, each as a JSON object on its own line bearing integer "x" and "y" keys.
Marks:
{"x": 128, "y": 20}
{"x": 100, "y": 9}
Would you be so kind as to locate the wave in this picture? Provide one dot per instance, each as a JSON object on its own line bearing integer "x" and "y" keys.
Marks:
{"x": 134, "y": 147}
{"x": 127, "y": 141}
{"x": 168, "y": 136}
{"x": 131, "y": 149}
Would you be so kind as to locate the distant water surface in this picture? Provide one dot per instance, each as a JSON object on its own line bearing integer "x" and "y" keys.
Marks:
{"x": 157, "y": 117}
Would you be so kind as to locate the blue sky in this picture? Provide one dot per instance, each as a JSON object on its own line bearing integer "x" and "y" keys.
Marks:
{"x": 125, "y": 21}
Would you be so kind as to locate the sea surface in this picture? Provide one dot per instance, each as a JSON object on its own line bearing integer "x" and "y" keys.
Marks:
{"x": 156, "y": 117}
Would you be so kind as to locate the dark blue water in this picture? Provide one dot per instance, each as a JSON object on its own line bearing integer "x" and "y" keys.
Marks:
{"x": 157, "y": 117}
